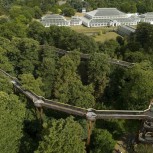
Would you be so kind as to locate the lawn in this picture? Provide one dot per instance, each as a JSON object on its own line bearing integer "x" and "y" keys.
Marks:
{"x": 105, "y": 37}
{"x": 98, "y": 33}
{"x": 83, "y": 29}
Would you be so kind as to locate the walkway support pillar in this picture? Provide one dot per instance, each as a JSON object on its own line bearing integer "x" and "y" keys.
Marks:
{"x": 90, "y": 127}
{"x": 91, "y": 118}
{"x": 14, "y": 89}
{"x": 39, "y": 109}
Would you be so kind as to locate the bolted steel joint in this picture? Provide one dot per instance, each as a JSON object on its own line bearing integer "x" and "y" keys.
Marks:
{"x": 38, "y": 103}
{"x": 90, "y": 115}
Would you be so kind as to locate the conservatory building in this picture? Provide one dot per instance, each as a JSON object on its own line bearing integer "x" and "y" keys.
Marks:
{"x": 75, "y": 20}
{"x": 54, "y": 19}
{"x": 108, "y": 17}
{"x": 124, "y": 30}
{"x": 147, "y": 17}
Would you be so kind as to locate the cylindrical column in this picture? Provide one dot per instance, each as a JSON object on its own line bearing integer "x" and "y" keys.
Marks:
{"x": 90, "y": 126}
{"x": 14, "y": 89}
{"x": 39, "y": 112}
{"x": 91, "y": 118}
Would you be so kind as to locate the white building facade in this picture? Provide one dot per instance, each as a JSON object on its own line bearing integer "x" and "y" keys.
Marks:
{"x": 59, "y": 20}
{"x": 108, "y": 17}
{"x": 98, "y": 18}
{"x": 54, "y": 19}
{"x": 147, "y": 17}
{"x": 75, "y": 20}
{"x": 125, "y": 30}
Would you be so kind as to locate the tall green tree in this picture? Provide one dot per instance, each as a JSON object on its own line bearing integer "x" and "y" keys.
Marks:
{"x": 47, "y": 69}
{"x": 62, "y": 136}
{"x": 102, "y": 141}
{"x": 67, "y": 10}
{"x": 68, "y": 86}
{"x": 13, "y": 29}
{"x": 143, "y": 148}
{"x": 4, "y": 61}
{"x": 28, "y": 54}
{"x": 144, "y": 35}
{"x": 29, "y": 82}
{"x": 137, "y": 87}
{"x": 98, "y": 73}
{"x": 109, "y": 47}
{"x": 12, "y": 113}
{"x": 37, "y": 32}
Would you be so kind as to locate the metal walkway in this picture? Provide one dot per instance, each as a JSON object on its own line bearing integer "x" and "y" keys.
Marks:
{"x": 90, "y": 114}
{"x": 87, "y": 57}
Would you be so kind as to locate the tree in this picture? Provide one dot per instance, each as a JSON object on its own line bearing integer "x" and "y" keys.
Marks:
{"x": 102, "y": 141}
{"x": 28, "y": 54}
{"x": 55, "y": 9}
{"x": 137, "y": 87}
{"x": 141, "y": 7}
{"x": 144, "y": 35}
{"x": 13, "y": 29}
{"x": 98, "y": 73}
{"x": 68, "y": 11}
{"x": 67, "y": 39}
{"x": 37, "y": 32}
{"x": 143, "y": 148}
{"x": 30, "y": 83}
{"x": 128, "y": 7}
{"x": 12, "y": 113}
{"x": 10, "y": 51}
{"x": 62, "y": 136}
{"x": 37, "y": 12}
{"x": 68, "y": 86}
{"x": 109, "y": 47}
{"x": 16, "y": 11}
{"x": 47, "y": 69}
{"x": 135, "y": 56}
{"x": 76, "y": 4}
{"x": 5, "y": 84}
{"x": 4, "y": 62}
{"x": 120, "y": 40}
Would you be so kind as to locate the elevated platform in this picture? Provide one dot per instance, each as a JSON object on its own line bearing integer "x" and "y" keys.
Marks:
{"x": 146, "y": 138}
{"x": 90, "y": 114}
{"x": 148, "y": 125}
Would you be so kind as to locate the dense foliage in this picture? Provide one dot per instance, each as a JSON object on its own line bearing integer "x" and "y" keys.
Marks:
{"x": 62, "y": 136}
{"x": 28, "y": 52}
{"x": 132, "y": 6}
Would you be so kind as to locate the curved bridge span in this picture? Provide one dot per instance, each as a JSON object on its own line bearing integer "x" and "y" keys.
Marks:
{"x": 97, "y": 114}
{"x": 87, "y": 57}
{"x": 90, "y": 113}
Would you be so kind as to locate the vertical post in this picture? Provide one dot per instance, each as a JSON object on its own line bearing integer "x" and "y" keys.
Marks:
{"x": 39, "y": 112}
{"x": 39, "y": 109}
{"x": 14, "y": 89}
{"x": 90, "y": 125}
{"x": 91, "y": 118}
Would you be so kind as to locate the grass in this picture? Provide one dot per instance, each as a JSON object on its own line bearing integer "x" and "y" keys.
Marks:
{"x": 105, "y": 37}
{"x": 83, "y": 29}
{"x": 98, "y": 33}
{"x": 120, "y": 146}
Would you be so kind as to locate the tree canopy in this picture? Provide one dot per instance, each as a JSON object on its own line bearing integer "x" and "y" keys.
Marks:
{"x": 28, "y": 51}
{"x": 62, "y": 136}
{"x": 11, "y": 122}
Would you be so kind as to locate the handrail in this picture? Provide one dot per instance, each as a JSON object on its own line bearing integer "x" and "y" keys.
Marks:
{"x": 87, "y": 57}
{"x": 90, "y": 113}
